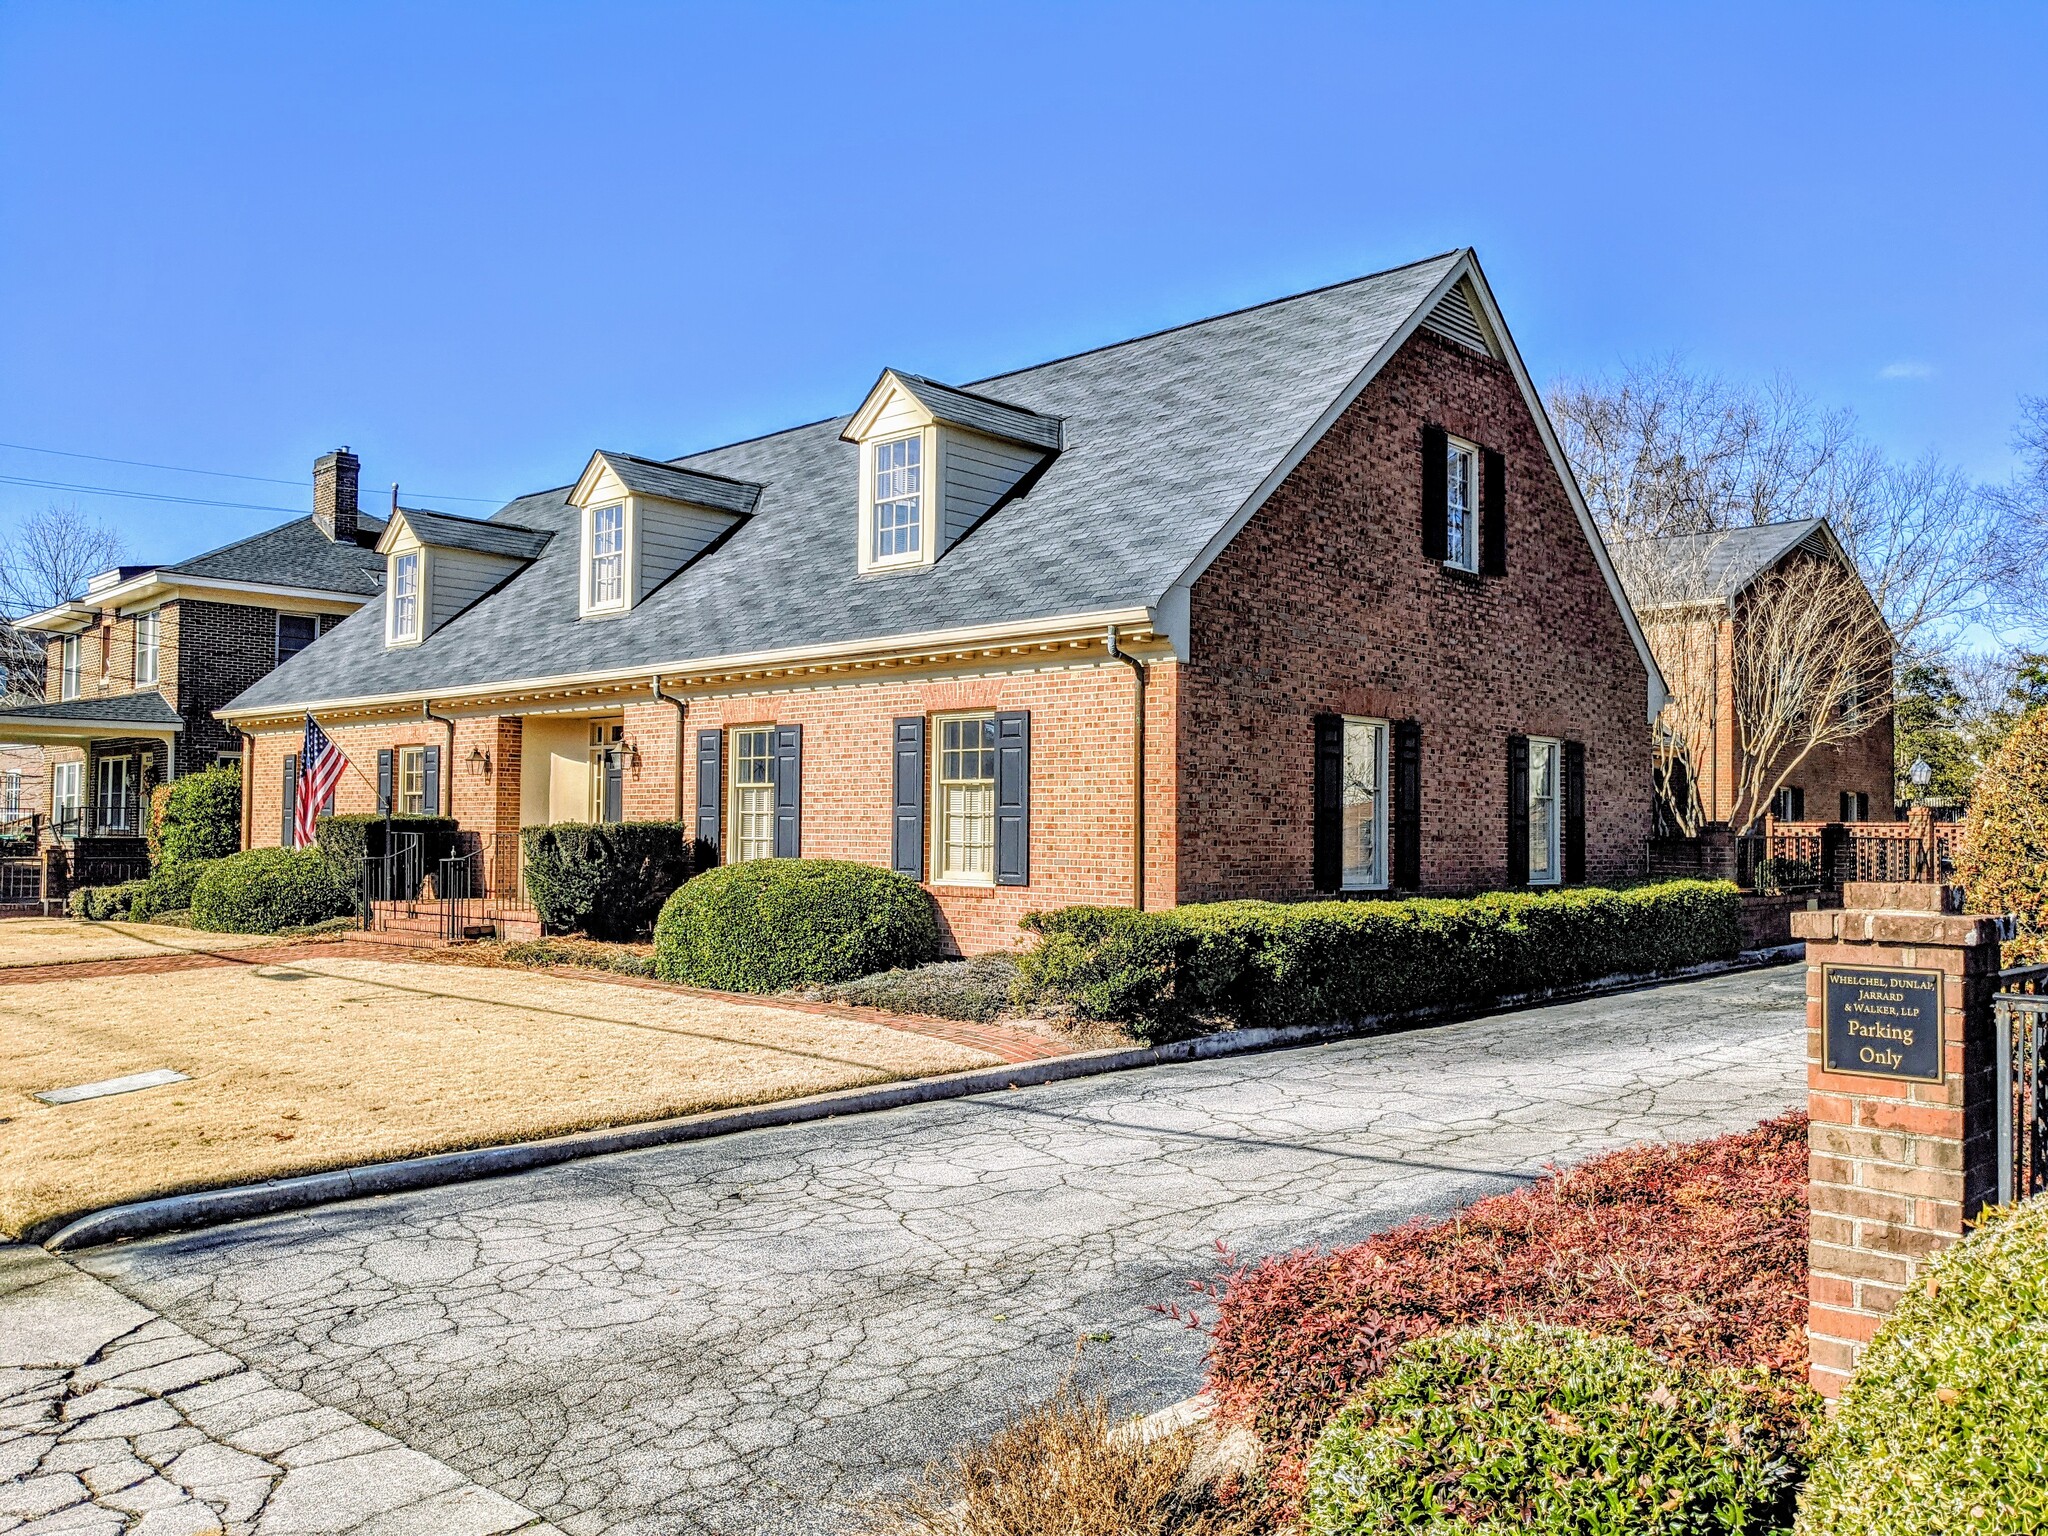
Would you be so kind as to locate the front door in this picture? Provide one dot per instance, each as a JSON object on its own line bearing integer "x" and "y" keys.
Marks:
{"x": 113, "y": 806}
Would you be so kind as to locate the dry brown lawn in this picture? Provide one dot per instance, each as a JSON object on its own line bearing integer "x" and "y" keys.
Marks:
{"x": 319, "y": 1063}
{"x": 60, "y": 940}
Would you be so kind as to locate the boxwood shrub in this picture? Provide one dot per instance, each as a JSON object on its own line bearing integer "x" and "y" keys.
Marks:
{"x": 1540, "y": 1429}
{"x": 1161, "y": 974}
{"x": 1944, "y": 1427}
{"x": 775, "y": 923}
{"x": 348, "y": 840}
{"x": 202, "y": 817}
{"x": 605, "y": 879}
{"x": 168, "y": 889}
{"x": 105, "y": 903}
{"x": 268, "y": 889}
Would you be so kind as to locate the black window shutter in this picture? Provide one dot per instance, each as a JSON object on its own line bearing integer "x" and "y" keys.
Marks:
{"x": 1408, "y": 805}
{"x": 383, "y": 780}
{"x": 906, "y": 854}
{"x": 1575, "y": 812}
{"x": 789, "y": 790}
{"x": 1848, "y": 806}
{"x": 1328, "y": 858}
{"x": 430, "y": 771}
{"x": 1436, "y": 535}
{"x": 1518, "y": 810}
{"x": 291, "y": 798}
{"x": 1493, "y": 516}
{"x": 710, "y": 782}
{"x": 1013, "y": 797}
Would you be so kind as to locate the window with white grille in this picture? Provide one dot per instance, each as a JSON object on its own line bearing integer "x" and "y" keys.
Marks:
{"x": 405, "y": 596}
{"x": 898, "y": 499}
{"x": 608, "y": 555}
{"x": 967, "y": 799}
{"x": 148, "y": 627}
{"x": 1461, "y": 505}
{"x": 1545, "y": 774}
{"x": 753, "y": 793}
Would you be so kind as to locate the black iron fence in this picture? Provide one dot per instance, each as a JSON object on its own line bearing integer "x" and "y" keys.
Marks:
{"x": 394, "y": 876}
{"x": 107, "y": 816}
{"x": 483, "y": 874}
{"x": 2020, "y": 1014}
{"x": 21, "y": 881}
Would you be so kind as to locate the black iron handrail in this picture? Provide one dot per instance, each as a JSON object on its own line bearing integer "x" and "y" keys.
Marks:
{"x": 2021, "y": 1050}
{"x": 393, "y": 875}
{"x": 113, "y": 816}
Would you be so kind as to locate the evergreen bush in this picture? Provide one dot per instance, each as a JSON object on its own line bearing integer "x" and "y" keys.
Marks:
{"x": 2003, "y": 860}
{"x": 604, "y": 879}
{"x": 202, "y": 817}
{"x": 769, "y": 924}
{"x": 1944, "y": 1427}
{"x": 168, "y": 889}
{"x": 268, "y": 889}
{"x": 1550, "y": 1430}
{"x": 1164, "y": 974}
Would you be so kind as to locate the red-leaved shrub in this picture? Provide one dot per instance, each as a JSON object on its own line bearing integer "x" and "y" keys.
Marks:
{"x": 1697, "y": 1252}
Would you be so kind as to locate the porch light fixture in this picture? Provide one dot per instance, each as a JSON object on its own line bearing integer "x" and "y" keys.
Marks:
{"x": 479, "y": 763}
{"x": 1920, "y": 773}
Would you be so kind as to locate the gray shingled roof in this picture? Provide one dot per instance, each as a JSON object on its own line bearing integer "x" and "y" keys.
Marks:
{"x": 148, "y": 707}
{"x": 1167, "y": 437}
{"x": 647, "y": 477}
{"x": 978, "y": 413}
{"x": 1710, "y": 567}
{"x": 486, "y": 536}
{"x": 294, "y": 554}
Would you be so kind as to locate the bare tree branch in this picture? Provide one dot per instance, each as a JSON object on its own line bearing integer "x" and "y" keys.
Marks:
{"x": 46, "y": 558}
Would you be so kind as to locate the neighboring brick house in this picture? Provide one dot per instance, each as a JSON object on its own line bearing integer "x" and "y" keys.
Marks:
{"x": 1694, "y": 594}
{"x": 139, "y": 663}
{"x": 1300, "y": 599}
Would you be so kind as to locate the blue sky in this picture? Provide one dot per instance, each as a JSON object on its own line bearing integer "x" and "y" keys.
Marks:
{"x": 476, "y": 241}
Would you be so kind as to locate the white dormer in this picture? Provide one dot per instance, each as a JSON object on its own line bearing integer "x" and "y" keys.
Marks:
{"x": 934, "y": 461}
{"x": 436, "y": 565}
{"x": 641, "y": 521}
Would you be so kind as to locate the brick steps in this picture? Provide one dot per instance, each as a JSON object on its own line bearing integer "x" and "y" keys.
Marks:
{"x": 417, "y": 924}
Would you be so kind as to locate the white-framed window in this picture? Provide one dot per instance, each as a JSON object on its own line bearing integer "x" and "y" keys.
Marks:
{"x": 897, "y": 520}
{"x": 1461, "y": 504}
{"x": 608, "y": 555}
{"x": 405, "y": 595}
{"x": 67, "y": 794}
{"x": 148, "y": 633}
{"x": 10, "y": 793}
{"x": 115, "y": 811}
{"x": 964, "y": 782}
{"x": 752, "y": 812}
{"x": 1546, "y": 801}
{"x": 1365, "y": 805}
{"x": 67, "y": 667}
{"x": 412, "y": 781}
{"x": 295, "y": 631}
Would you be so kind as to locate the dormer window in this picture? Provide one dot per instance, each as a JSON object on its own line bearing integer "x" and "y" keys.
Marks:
{"x": 608, "y": 556}
{"x": 405, "y": 596}
{"x": 899, "y": 499}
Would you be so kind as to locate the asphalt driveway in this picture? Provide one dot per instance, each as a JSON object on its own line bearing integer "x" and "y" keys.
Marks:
{"x": 757, "y": 1333}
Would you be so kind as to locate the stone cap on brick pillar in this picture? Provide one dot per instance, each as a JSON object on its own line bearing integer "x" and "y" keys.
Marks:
{"x": 1906, "y": 896}
{"x": 1900, "y": 927}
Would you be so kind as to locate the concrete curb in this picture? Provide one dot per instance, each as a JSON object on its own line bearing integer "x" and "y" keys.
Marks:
{"x": 212, "y": 1207}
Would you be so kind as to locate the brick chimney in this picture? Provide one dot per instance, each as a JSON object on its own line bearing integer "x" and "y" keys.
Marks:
{"x": 334, "y": 494}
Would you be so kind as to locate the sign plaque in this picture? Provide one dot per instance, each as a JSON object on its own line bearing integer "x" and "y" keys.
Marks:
{"x": 1881, "y": 1021}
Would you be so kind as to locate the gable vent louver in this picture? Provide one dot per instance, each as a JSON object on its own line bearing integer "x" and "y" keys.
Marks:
{"x": 1456, "y": 319}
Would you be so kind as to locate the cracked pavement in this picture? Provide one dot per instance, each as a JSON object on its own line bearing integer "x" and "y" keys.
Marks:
{"x": 761, "y": 1332}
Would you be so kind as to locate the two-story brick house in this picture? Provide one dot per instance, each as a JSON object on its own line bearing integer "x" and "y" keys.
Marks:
{"x": 1300, "y": 599}
{"x": 137, "y": 665}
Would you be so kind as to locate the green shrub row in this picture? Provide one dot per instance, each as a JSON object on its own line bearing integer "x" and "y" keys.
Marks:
{"x": 770, "y": 924}
{"x": 266, "y": 890}
{"x": 168, "y": 889}
{"x": 1160, "y": 974}
{"x": 605, "y": 879}
{"x": 1551, "y": 1430}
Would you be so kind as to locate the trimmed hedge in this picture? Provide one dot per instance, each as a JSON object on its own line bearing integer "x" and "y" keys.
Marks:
{"x": 605, "y": 879}
{"x": 1551, "y": 1430}
{"x": 1163, "y": 974}
{"x": 348, "y": 840}
{"x": 770, "y": 924}
{"x": 105, "y": 903}
{"x": 202, "y": 817}
{"x": 1944, "y": 1427}
{"x": 169, "y": 889}
{"x": 268, "y": 889}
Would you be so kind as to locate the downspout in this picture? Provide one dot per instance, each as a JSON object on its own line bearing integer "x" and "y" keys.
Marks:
{"x": 1138, "y": 671}
{"x": 445, "y": 790}
{"x": 682, "y": 713}
{"x": 248, "y": 784}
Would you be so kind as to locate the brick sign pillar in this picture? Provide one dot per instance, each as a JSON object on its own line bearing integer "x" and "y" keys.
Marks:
{"x": 1900, "y": 1085}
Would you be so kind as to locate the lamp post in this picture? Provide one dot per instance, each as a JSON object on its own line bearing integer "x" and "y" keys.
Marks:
{"x": 1922, "y": 776}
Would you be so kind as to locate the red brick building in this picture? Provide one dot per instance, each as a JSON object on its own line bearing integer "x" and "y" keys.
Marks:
{"x": 1298, "y": 600}
{"x": 138, "y": 664}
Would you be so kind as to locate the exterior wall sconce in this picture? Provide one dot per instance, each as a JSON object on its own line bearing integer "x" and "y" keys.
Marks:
{"x": 479, "y": 763}
{"x": 630, "y": 750}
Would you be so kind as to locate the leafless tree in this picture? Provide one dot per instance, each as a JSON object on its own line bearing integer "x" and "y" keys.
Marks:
{"x": 2023, "y": 502}
{"x": 1662, "y": 449}
{"x": 46, "y": 558}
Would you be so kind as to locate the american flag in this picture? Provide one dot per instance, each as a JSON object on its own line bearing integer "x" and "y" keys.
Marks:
{"x": 321, "y": 765}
